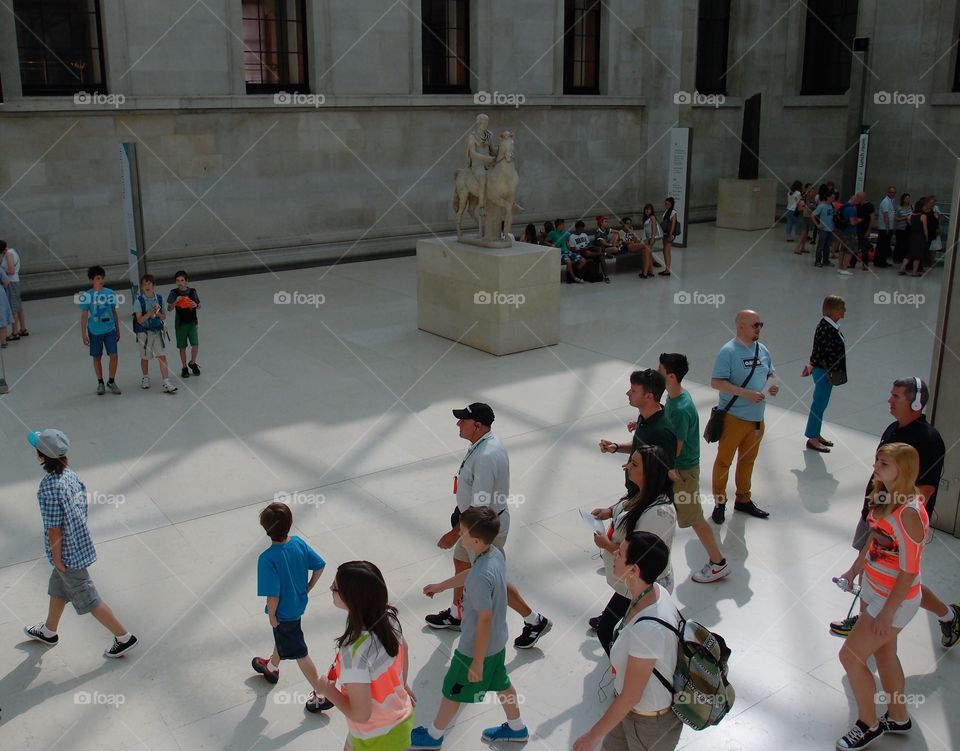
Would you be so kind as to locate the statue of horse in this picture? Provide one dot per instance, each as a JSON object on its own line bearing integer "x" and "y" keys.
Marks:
{"x": 499, "y": 193}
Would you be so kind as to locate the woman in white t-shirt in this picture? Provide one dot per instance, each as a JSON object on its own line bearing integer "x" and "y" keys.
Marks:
{"x": 10, "y": 262}
{"x": 794, "y": 222}
{"x": 643, "y": 653}
{"x": 650, "y": 510}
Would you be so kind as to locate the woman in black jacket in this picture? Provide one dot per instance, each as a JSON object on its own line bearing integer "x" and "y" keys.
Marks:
{"x": 828, "y": 365}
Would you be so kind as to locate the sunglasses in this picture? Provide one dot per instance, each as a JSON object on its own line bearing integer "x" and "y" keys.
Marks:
{"x": 758, "y": 325}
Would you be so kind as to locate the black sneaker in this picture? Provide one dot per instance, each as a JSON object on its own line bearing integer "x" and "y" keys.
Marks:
{"x": 897, "y": 728}
{"x": 860, "y": 736}
{"x": 844, "y": 627}
{"x": 119, "y": 648}
{"x": 719, "y": 513}
{"x": 36, "y": 632}
{"x": 594, "y": 623}
{"x": 950, "y": 631}
{"x": 531, "y": 634}
{"x": 184, "y": 372}
{"x": 317, "y": 703}
{"x": 443, "y": 619}
{"x": 195, "y": 368}
{"x": 262, "y": 665}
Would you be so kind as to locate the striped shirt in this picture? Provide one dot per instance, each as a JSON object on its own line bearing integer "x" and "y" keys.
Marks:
{"x": 892, "y": 550}
{"x": 366, "y": 661}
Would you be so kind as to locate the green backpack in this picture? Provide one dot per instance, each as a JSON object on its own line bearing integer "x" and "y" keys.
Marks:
{"x": 702, "y": 696}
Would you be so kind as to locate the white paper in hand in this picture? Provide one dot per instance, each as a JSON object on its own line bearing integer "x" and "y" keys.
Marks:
{"x": 591, "y": 521}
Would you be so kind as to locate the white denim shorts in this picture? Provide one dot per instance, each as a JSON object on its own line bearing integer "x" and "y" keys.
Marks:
{"x": 875, "y": 603}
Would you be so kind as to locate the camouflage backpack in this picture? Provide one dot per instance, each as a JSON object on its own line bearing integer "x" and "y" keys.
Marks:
{"x": 702, "y": 696}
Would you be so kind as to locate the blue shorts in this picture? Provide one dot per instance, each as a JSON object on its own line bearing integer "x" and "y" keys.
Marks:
{"x": 569, "y": 255}
{"x": 288, "y": 638}
{"x": 99, "y": 341}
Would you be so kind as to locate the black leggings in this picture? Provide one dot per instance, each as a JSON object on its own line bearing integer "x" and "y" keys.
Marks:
{"x": 615, "y": 610}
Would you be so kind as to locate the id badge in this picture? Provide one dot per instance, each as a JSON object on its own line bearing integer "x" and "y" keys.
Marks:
{"x": 456, "y": 478}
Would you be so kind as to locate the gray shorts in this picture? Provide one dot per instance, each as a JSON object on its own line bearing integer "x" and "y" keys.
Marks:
{"x": 862, "y": 534}
{"x": 13, "y": 295}
{"x": 74, "y": 585}
{"x": 460, "y": 553}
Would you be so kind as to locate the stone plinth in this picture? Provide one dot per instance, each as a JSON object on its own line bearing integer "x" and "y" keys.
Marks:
{"x": 499, "y": 300}
{"x": 747, "y": 204}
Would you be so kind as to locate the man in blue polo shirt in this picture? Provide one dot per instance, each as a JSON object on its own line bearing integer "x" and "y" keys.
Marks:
{"x": 740, "y": 374}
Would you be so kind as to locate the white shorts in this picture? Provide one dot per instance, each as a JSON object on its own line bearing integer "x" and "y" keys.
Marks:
{"x": 151, "y": 344}
{"x": 875, "y": 603}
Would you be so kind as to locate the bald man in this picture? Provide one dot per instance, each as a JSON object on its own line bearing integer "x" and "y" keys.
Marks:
{"x": 741, "y": 373}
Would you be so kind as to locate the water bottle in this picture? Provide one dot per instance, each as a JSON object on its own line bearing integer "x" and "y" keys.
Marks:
{"x": 846, "y": 586}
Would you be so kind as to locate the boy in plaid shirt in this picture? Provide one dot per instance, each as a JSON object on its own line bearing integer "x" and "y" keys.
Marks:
{"x": 63, "y": 508}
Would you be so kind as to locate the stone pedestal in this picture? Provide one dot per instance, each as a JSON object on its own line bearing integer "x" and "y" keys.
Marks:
{"x": 499, "y": 300}
{"x": 747, "y": 204}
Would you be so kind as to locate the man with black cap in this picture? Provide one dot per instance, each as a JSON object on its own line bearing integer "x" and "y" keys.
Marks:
{"x": 63, "y": 509}
{"x": 483, "y": 480}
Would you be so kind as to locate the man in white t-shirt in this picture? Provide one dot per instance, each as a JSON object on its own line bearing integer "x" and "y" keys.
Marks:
{"x": 579, "y": 242}
{"x": 10, "y": 260}
{"x": 886, "y": 226}
{"x": 483, "y": 480}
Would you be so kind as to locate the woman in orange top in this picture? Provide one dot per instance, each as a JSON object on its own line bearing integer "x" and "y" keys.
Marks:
{"x": 890, "y": 597}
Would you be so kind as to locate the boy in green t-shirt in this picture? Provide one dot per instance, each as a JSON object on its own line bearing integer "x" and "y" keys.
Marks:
{"x": 681, "y": 413}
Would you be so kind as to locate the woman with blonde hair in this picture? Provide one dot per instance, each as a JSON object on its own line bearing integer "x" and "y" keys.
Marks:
{"x": 890, "y": 562}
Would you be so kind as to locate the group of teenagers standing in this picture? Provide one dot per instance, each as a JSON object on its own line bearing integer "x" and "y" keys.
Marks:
{"x": 907, "y": 230}
{"x": 584, "y": 256}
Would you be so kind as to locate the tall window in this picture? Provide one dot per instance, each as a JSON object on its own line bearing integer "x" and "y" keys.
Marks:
{"x": 60, "y": 46}
{"x": 581, "y": 46}
{"x": 956, "y": 70}
{"x": 827, "y": 51}
{"x": 446, "y": 46}
{"x": 275, "y": 51}
{"x": 713, "y": 36}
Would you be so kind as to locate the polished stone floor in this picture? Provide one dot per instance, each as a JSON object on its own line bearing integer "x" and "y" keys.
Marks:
{"x": 346, "y": 406}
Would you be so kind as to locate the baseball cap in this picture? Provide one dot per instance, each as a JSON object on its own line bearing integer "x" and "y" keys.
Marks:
{"x": 477, "y": 411}
{"x": 49, "y": 442}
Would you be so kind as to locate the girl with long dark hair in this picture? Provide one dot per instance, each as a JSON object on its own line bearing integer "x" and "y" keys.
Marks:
{"x": 668, "y": 223}
{"x": 650, "y": 510}
{"x": 368, "y": 680}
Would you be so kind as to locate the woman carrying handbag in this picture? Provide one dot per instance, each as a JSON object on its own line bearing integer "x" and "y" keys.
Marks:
{"x": 828, "y": 365}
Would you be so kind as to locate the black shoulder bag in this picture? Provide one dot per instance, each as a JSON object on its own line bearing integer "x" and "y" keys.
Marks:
{"x": 714, "y": 429}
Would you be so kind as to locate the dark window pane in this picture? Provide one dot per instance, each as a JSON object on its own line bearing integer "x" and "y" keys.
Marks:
{"x": 956, "y": 71}
{"x": 713, "y": 35}
{"x": 827, "y": 50}
{"x": 581, "y": 47}
{"x": 59, "y": 46}
{"x": 445, "y": 30}
{"x": 275, "y": 44}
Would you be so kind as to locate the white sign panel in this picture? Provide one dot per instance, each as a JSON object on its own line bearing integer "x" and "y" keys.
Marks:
{"x": 678, "y": 179}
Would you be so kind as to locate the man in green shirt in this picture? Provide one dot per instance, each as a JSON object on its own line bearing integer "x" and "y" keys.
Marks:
{"x": 652, "y": 427}
{"x": 682, "y": 415}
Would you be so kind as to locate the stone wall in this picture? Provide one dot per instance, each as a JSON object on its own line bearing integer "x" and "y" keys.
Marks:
{"x": 233, "y": 182}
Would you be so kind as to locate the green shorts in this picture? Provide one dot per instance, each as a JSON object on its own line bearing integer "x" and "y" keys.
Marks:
{"x": 187, "y": 332}
{"x": 457, "y": 686}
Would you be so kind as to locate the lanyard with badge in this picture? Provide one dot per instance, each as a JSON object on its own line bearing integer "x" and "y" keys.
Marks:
{"x": 474, "y": 447}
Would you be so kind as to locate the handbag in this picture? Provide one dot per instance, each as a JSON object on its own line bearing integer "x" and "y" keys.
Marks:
{"x": 837, "y": 377}
{"x": 718, "y": 415}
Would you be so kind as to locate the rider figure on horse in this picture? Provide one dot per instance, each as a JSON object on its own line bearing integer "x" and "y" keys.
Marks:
{"x": 481, "y": 154}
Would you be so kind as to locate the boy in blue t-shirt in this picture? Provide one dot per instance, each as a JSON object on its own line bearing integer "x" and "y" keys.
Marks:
{"x": 151, "y": 332}
{"x": 100, "y": 327}
{"x": 282, "y": 579}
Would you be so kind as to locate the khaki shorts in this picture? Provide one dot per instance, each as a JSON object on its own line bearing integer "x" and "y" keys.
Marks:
{"x": 686, "y": 497}
{"x": 460, "y": 553}
{"x": 151, "y": 344}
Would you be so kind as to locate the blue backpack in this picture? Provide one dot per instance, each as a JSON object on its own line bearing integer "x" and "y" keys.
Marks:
{"x": 150, "y": 324}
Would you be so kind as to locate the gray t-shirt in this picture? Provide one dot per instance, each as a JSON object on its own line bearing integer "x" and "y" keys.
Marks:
{"x": 484, "y": 479}
{"x": 485, "y": 589}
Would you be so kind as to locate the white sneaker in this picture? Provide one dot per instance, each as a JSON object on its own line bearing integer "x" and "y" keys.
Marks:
{"x": 845, "y": 272}
{"x": 169, "y": 388}
{"x": 145, "y": 382}
{"x": 711, "y": 573}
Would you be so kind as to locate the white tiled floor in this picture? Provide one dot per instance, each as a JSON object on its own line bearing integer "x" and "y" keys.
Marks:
{"x": 350, "y": 402}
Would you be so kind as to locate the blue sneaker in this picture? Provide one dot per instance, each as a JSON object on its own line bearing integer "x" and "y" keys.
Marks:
{"x": 421, "y": 738}
{"x": 505, "y": 733}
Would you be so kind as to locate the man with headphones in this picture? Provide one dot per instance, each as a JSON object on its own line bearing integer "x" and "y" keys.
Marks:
{"x": 908, "y": 397}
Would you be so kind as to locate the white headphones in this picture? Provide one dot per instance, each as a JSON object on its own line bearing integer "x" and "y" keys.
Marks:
{"x": 917, "y": 405}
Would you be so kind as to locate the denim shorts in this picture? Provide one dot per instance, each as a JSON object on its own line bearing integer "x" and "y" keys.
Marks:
{"x": 75, "y": 586}
{"x": 100, "y": 341}
{"x": 288, "y": 638}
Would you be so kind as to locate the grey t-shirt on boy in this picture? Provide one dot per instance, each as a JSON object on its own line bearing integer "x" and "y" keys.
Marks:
{"x": 485, "y": 589}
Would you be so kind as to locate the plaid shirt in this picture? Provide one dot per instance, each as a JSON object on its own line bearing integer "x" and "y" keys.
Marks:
{"x": 63, "y": 505}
